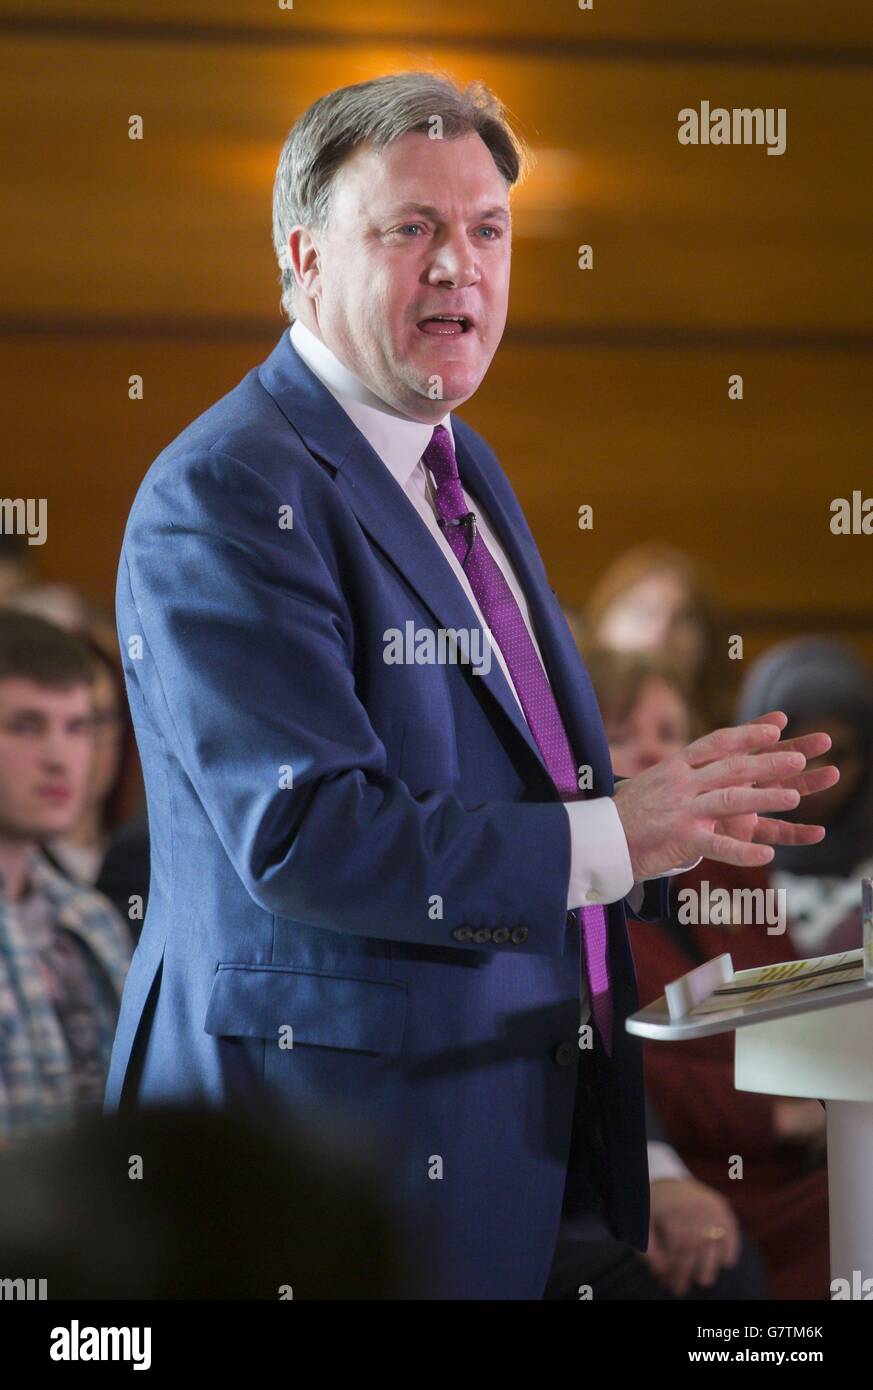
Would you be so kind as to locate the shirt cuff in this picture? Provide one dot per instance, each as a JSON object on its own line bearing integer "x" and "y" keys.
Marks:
{"x": 683, "y": 868}
{"x": 600, "y": 867}
{"x": 664, "y": 1162}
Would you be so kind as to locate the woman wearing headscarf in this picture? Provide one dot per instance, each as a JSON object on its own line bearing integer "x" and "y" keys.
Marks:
{"x": 821, "y": 684}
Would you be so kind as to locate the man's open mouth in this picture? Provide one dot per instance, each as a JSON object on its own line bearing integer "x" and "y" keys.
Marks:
{"x": 445, "y": 324}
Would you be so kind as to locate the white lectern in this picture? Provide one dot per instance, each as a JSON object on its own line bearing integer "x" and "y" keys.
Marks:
{"x": 805, "y": 1029}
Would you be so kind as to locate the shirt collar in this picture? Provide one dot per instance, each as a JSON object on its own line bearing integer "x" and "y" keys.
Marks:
{"x": 398, "y": 441}
{"x": 39, "y": 875}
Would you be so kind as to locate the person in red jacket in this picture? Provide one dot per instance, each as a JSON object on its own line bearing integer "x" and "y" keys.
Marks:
{"x": 765, "y": 1154}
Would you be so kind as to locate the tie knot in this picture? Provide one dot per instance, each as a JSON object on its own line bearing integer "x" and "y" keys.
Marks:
{"x": 439, "y": 456}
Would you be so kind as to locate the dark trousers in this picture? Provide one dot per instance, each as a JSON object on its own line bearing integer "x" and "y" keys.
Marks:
{"x": 587, "y": 1253}
{"x": 587, "y": 1189}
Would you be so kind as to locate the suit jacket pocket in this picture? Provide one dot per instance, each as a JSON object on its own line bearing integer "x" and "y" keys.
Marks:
{"x": 323, "y": 1010}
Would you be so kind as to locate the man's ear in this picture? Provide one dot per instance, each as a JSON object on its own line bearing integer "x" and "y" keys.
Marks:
{"x": 304, "y": 259}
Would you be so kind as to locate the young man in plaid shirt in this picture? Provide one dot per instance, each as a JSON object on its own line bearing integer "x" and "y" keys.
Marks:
{"x": 64, "y": 950}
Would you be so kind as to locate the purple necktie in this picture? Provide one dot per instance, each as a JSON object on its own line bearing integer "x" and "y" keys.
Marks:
{"x": 509, "y": 630}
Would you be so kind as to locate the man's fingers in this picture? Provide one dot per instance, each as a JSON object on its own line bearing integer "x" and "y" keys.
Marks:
{"x": 741, "y": 769}
{"x": 810, "y": 745}
{"x": 742, "y": 776}
{"x": 816, "y": 780}
{"x": 783, "y": 832}
{"x": 727, "y": 850}
{"x": 739, "y": 738}
{"x": 739, "y": 801}
{"x": 774, "y": 716}
{"x": 756, "y": 734}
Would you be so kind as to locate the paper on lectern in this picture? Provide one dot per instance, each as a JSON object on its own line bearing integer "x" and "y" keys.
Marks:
{"x": 765, "y": 983}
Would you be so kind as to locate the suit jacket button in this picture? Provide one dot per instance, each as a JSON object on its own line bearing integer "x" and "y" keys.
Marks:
{"x": 463, "y": 933}
{"x": 518, "y": 934}
{"x": 483, "y": 934}
{"x": 564, "y": 1054}
{"x": 499, "y": 935}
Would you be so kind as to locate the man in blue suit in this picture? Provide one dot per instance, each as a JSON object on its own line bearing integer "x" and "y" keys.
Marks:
{"x": 388, "y": 867}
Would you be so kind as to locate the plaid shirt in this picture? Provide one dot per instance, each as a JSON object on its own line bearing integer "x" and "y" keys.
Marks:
{"x": 36, "y": 1083}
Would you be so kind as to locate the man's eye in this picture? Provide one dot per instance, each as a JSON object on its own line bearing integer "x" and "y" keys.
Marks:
{"x": 411, "y": 226}
{"x": 495, "y": 230}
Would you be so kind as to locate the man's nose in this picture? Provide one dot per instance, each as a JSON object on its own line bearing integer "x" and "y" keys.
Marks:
{"x": 454, "y": 261}
{"x": 56, "y": 752}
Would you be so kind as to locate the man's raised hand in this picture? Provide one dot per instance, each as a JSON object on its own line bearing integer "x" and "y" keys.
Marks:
{"x": 709, "y": 798}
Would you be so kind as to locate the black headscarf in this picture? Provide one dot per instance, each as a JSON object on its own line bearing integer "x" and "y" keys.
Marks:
{"x": 810, "y": 678}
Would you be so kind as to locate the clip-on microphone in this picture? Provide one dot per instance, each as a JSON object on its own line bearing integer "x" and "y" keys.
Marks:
{"x": 468, "y": 520}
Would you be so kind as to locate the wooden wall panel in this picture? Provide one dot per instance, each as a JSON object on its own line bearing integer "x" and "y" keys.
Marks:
{"x": 650, "y": 440}
{"x": 611, "y": 386}
{"x": 778, "y": 23}
{"x": 178, "y": 225}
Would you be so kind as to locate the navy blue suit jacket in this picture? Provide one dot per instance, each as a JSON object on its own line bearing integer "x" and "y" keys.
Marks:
{"x": 371, "y": 855}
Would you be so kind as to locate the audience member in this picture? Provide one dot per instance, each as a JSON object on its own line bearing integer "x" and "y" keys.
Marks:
{"x": 81, "y": 850}
{"x": 652, "y": 599}
{"x": 822, "y": 684}
{"x": 64, "y": 951}
{"x": 115, "y": 787}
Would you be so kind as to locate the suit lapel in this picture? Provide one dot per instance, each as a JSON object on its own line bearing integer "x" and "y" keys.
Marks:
{"x": 391, "y": 521}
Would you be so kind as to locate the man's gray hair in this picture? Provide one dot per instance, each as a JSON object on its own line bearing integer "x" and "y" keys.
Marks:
{"x": 378, "y": 111}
